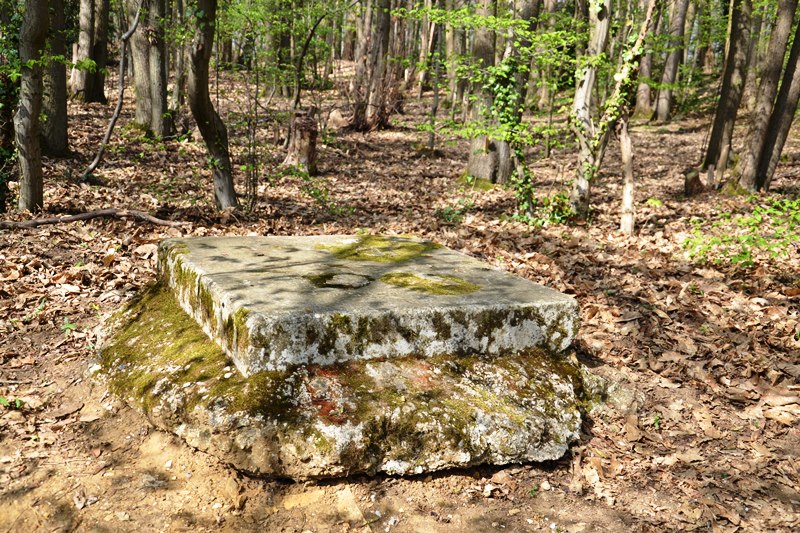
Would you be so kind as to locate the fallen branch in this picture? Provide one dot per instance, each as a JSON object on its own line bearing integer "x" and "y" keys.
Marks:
{"x": 122, "y": 67}
{"x": 100, "y": 213}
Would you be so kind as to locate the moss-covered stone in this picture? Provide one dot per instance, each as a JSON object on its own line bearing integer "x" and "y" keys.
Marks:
{"x": 381, "y": 249}
{"x": 440, "y": 285}
{"x": 402, "y": 415}
{"x": 156, "y": 340}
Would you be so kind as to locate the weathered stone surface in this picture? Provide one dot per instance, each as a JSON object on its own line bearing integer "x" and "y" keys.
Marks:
{"x": 399, "y": 415}
{"x": 273, "y": 303}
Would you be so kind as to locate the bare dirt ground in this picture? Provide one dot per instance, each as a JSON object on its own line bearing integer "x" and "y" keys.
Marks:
{"x": 703, "y": 433}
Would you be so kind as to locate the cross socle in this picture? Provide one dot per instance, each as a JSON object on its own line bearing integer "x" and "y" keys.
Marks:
{"x": 273, "y": 303}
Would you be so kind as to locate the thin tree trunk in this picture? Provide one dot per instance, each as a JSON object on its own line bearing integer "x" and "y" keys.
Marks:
{"x": 140, "y": 60}
{"x": 9, "y": 91}
{"x": 33, "y": 34}
{"x": 437, "y": 75}
{"x": 782, "y": 115}
{"x": 180, "y": 69}
{"x": 377, "y": 111}
{"x": 751, "y": 81}
{"x": 54, "y": 125}
{"x": 425, "y": 49}
{"x": 482, "y": 162}
{"x": 733, "y": 78}
{"x": 95, "y": 92}
{"x": 663, "y": 108}
{"x": 628, "y": 218}
{"x": 120, "y": 95}
{"x": 359, "y": 85}
{"x": 767, "y": 90}
{"x": 584, "y": 125}
{"x": 160, "y": 124}
{"x": 211, "y": 127}
{"x": 526, "y": 11}
{"x": 593, "y": 136}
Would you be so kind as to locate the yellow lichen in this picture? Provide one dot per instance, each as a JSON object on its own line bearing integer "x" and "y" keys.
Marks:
{"x": 441, "y": 285}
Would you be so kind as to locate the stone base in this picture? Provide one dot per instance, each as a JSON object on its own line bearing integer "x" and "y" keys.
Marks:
{"x": 398, "y": 416}
{"x": 273, "y": 303}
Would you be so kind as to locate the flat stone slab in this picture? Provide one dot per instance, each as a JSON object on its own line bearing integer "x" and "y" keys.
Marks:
{"x": 274, "y": 303}
{"x": 400, "y": 415}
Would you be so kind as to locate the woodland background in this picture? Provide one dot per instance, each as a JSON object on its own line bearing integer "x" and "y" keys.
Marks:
{"x": 639, "y": 156}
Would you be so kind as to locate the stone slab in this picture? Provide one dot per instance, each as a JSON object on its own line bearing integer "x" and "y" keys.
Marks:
{"x": 274, "y": 303}
{"x": 398, "y": 416}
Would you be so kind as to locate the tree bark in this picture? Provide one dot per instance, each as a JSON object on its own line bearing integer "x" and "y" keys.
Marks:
{"x": 782, "y": 115}
{"x": 628, "y": 218}
{"x": 89, "y": 85}
{"x": 482, "y": 163}
{"x": 593, "y": 136}
{"x": 767, "y": 90}
{"x": 526, "y": 11}
{"x": 140, "y": 61}
{"x": 54, "y": 106}
{"x": 303, "y": 141}
{"x": 733, "y": 78}
{"x": 589, "y": 152}
{"x": 8, "y": 95}
{"x": 644, "y": 96}
{"x": 33, "y": 34}
{"x": 180, "y": 69}
{"x": 753, "y": 61}
{"x": 160, "y": 123}
{"x": 379, "y": 86}
{"x": 663, "y": 107}
{"x": 212, "y": 129}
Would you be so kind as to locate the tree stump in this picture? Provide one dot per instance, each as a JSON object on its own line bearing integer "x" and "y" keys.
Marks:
{"x": 483, "y": 159}
{"x": 303, "y": 141}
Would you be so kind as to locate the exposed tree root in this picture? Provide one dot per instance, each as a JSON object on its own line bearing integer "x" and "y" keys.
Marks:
{"x": 100, "y": 213}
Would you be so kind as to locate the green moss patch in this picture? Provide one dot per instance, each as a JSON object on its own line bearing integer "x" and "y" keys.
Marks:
{"x": 156, "y": 340}
{"x": 161, "y": 358}
{"x": 381, "y": 249}
{"x": 441, "y": 285}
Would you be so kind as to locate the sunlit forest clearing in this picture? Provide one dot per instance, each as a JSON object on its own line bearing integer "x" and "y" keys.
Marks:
{"x": 689, "y": 307}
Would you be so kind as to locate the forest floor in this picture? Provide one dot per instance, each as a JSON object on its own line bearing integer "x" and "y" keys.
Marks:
{"x": 707, "y": 438}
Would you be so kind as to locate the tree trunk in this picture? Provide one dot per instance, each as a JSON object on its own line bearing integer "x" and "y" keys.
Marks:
{"x": 628, "y": 218}
{"x": 593, "y": 136}
{"x": 160, "y": 123}
{"x": 180, "y": 69}
{"x": 427, "y": 29}
{"x": 733, "y": 78}
{"x": 379, "y": 86}
{"x": 782, "y": 115}
{"x": 482, "y": 162}
{"x": 303, "y": 141}
{"x": 8, "y": 95}
{"x": 664, "y": 99}
{"x": 456, "y": 47}
{"x": 526, "y": 11}
{"x": 767, "y": 89}
{"x": 140, "y": 60}
{"x": 359, "y": 85}
{"x": 89, "y": 84}
{"x": 753, "y": 61}
{"x": 211, "y": 127}
{"x": 589, "y": 154}
{"x": 54, "y": 105}
{"x": 32, "y": 37}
